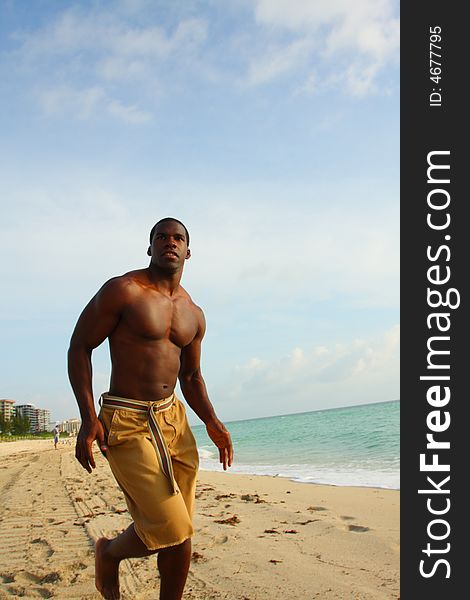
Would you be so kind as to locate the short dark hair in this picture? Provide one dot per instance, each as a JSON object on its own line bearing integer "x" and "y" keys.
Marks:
{"x": 152, "y": 231}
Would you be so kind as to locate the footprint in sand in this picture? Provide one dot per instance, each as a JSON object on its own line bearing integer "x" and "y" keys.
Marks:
{"x": 52, "y": 577}
{"x": 17, "y": 591}
{"x": 233, "y": 520}
{"x": 358, "y": 528}
{"x": 223, "y": 539}
{"x": 31, "y": 577}
{"x": 306, "y": 522}
{"x": 44, "y": 547}
{"x": 196, "y": 556}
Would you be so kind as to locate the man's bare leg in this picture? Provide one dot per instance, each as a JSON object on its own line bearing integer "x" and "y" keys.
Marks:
{"x": 173, "y": 564}
{"x": 106, "y": 571}
{"x": 108, "y": 555}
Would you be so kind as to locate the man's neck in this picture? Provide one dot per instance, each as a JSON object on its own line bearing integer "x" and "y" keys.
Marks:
{"x": 166, "y": 282}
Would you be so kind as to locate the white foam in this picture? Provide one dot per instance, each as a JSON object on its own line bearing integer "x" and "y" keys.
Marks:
{"x": 206, "y": 454}
{"x": 337, "y": 475}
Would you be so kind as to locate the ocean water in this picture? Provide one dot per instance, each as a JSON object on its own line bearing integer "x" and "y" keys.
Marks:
{"x": 356, "y": 445}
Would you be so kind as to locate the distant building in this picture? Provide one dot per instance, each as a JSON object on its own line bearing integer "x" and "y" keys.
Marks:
{"x": 43, "y": 416}
{"x": 7, "y": 409}
{"x": 70, "y": 426}
{"x": 29, "y": 411}
{"x": 38, "y": 417}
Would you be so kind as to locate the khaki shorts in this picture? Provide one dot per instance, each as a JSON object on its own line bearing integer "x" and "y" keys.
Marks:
{"x": 161, "y": 517}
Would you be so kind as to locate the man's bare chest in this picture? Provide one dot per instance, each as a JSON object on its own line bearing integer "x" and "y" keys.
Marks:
{"x": 156, "y": 319}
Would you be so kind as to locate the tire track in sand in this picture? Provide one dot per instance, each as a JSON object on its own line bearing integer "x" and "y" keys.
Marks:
{"x": 39, "y": 545}
{"x": 51, "y": 513}
{"x": 101, "y": 511}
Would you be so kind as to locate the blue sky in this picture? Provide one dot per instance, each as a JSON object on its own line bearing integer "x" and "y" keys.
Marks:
{"x": 270, "y": 127}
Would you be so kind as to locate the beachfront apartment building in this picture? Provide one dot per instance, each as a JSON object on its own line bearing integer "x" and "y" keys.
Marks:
{"x": 38, "y": 417}
{"x": 43, "y": 417}
{"x": 70, "y": 426}
{"x": 7, "y": 409}
{"x": 29, "y": 411}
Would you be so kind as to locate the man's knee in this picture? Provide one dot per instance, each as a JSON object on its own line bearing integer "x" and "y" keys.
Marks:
{"x": 177, "y": 550}
{"x": 180, "y": 547}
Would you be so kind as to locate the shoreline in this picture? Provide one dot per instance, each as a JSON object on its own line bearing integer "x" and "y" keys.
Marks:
{"x": 288, "y": 478}
{"x": 24, "y": 445}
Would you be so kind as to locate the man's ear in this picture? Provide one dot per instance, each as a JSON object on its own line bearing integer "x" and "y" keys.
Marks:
{"x": 149, "y": 251}
{"x": 188, "y": 254}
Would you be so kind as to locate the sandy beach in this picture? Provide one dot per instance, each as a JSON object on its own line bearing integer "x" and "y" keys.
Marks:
{"x": 257, "y": 538}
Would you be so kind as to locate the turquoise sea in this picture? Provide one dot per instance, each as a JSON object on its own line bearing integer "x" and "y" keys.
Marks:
{"x": 356, "y": 445}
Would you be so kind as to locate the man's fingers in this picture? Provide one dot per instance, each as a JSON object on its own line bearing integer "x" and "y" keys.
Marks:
{"x": 85, "y": 457}
{"x": 83, "y": 461}
{"x": 89, "y": 457}
{"x": 100, "y": 438}
{"x": 221, "y": 438}
{"x": 102, "y": 445}
{"x": 228, "y": 451}
{"x": 223, "y": 457}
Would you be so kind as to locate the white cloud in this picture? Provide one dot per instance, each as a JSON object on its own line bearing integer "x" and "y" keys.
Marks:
{"x": 278, "y": 60}
{"x": 85, "y": 58}
{"x": 335, "y": 44}
{"x": 65, "y": 100}
{"x": 106, "y": 34}
{"x": 360, "y": 371}
{"x": 365, "y": 25}
{"x": 86, "y": 103}
{"x": 253, "y": 248}
{"x": 316, "y": 254}
{"x": 121, "y": 68}
{"x": 360, "y": 78}
{"x": 349, "y": 42}
{"x": 130, "y": 114}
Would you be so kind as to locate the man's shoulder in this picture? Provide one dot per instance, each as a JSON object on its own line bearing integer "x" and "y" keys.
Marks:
{"x": 185, "y": 295}
{"x": 125, "y": 281}
{"x": 121, "y": 286}
{"x": 196, "y": 310}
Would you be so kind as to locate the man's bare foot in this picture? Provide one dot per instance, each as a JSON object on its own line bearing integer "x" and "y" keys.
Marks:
{"x": 106, "y": 571}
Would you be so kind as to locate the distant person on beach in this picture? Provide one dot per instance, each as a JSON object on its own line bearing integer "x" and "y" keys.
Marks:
{"x": 56, "y": 433}
{"x": 155, "y": 332}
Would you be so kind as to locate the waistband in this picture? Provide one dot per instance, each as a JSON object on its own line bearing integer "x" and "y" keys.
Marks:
{"x": 151, "y": 408}
{"x": 118, "y": 402}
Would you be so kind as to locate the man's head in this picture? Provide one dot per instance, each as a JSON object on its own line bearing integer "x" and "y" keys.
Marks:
{"x": 169, "y": 241}
{"x": 152, "y": 231}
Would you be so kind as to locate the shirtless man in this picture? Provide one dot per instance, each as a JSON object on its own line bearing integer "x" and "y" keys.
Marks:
{"x": 155, "y": 333}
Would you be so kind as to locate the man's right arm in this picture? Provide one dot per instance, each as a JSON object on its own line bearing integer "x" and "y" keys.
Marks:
{"x": 97, "y": 321}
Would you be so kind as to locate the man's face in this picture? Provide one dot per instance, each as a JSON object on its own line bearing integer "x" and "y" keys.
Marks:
{"x": 169, "y": 247}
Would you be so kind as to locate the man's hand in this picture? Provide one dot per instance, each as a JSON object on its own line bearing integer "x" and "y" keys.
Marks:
{"x": 84, "y": 449}
{"x": 221, "y": 438}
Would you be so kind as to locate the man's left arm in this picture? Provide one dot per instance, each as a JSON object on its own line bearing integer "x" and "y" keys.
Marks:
{"x": 195, "y": 392}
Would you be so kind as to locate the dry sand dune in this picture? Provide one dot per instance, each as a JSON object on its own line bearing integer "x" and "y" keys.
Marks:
{"x": 257, "y": 538}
